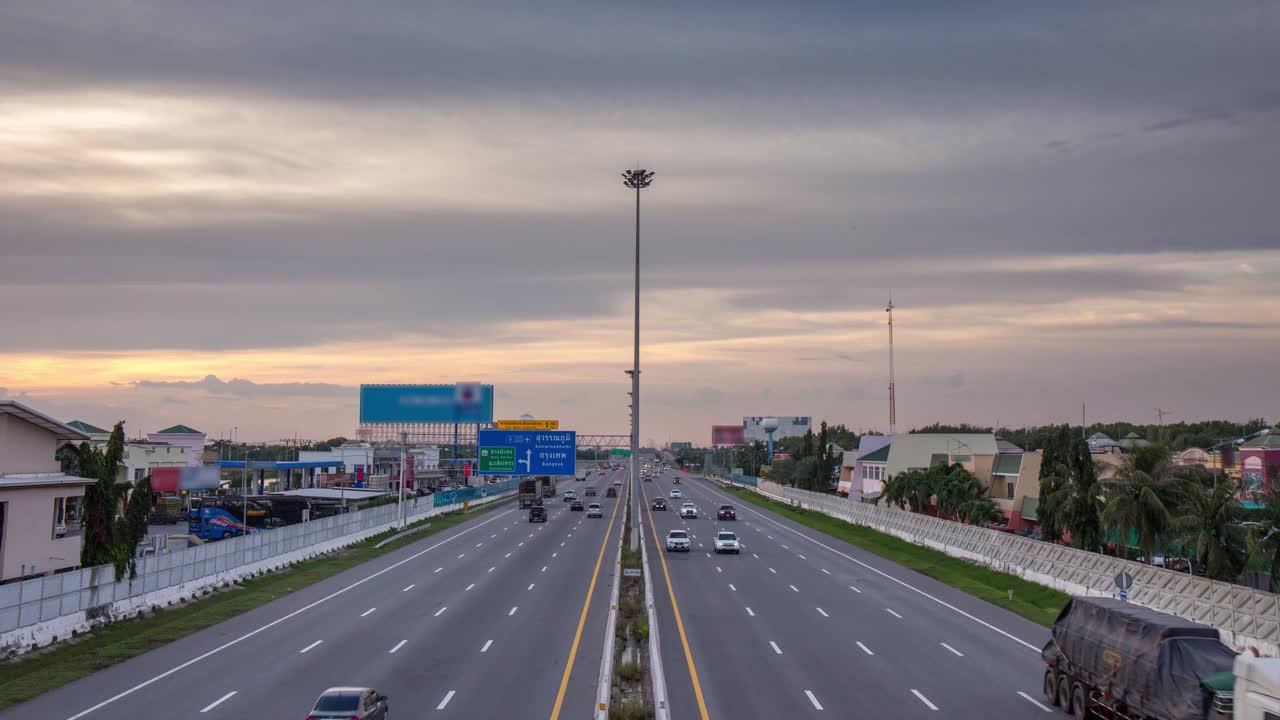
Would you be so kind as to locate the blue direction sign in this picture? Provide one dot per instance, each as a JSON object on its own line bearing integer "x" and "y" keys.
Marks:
{"x": 537, "y": 452}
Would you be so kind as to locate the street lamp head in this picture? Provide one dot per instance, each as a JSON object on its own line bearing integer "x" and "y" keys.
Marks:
{"x": 637, "y": 179}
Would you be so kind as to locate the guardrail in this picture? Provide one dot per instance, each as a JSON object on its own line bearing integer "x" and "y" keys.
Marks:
{"x": 41, "y": 610}
{"x": 1245, "y": 616}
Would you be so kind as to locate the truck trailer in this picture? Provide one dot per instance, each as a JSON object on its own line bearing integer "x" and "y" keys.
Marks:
{"x": 529, "y": 494}
{"x": 1108, "y": 658}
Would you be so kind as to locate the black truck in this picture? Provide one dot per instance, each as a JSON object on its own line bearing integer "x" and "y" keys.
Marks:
{"x": 1111, "y": 659}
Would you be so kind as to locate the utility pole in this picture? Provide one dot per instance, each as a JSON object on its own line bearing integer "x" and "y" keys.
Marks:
{"x": 1160, "y": 416}
{"x": 404, "y": 452}
{"x": 637, "y": 180}
{"x": 893, "y": 404}
{"x": 244, "y": 491}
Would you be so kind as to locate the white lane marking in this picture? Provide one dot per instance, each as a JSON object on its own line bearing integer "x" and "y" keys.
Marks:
{"x": 312, "y": 645}
{"x": 924, "y": 699}
{"x": 802, "y": 557}
{"x": 855, "y": 589}
{"x": 793, "y": 587}
{"x": 718, "y": 569}
{"x": 775, "y": 572}
{"x": 441, "y": 611}
{"x": 486, "y": 646}
{"x": 447, "y": 697}
{"x": 826, "y": 571}
{"x": 397, "y": 647}
{"x": 784, "y": 547}
{"x": 513, "y": 610}
{"x": 887, "y": 576}
{"x": 700, "y": 545}
{"x": 893, "y": 613}
{"x": 462, "y": 556}
{"x": 479, "y": 544}
{"x": 775, "y": 647}
{"x": 957, "y": 652}
{"x": 530, "y": 587}
{"x": 368, "y": 612}
{"x": 437, "y": 570}
{"x": 179, "y": 668}
{"x": 731, "y": 587}
{"x": 770, "y": 537}
{"x": 544, "y": 569}
{"x": 411, "y": 586}
{"x": 755, "y": 556}
{"x": 823, "y": 613}
{"x": 865, "y": 649}
{"x": 750, "y": 612}
{"x": 816, "y": 705}
{"x": 218, "y": 702}
{"x": 495, "y": 567}
{"x": 493, "y": 536}
{"x": 530, "y": 534}
{"x": 1035, "y": 702}
{"x": 554, "y": 554}
{"x": 521, "y": 544}
{"x": 507, "y": 555}
{"x": 707, "y": 554}
{"x": 469, "y": 587}
{"x": 561, "y": 544}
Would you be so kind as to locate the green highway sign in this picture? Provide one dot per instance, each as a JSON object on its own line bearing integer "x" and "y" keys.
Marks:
{"x": 619, "y": 453}
{"x": 498, "y": 459}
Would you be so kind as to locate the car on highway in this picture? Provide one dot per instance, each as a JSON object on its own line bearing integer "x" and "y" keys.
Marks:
{"x": 589, "y": 492}
{"x": 352, "y": 703}
{"x": 611, "y": 492}
{"x": 689, "y": 510}
{"x": 678, "y": 541}
{"x": 659, "y": 504}
{"x": 617, "y": 481}
{"x": 570, "y": 496}
{"x": 726, "y": 542}
{"x": 576, "y": 506}
{"x": 726, "y": 512}
{"x": 537, "y": 513}
{"x": 675, "y": 493}
{"x": 594, "y": 510}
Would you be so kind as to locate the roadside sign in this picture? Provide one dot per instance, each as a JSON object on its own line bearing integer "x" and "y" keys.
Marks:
{"x": 528, "y": 424}
{"x": 534, "y": 452}
{"x": 630, "y": 572}
{"x": 497, "y": 460}
{"x": 453, "y": 496}
{"x": 1124, "y": 581}
{"x": 1124, "y": 595}
{"x": 616, "y": 452}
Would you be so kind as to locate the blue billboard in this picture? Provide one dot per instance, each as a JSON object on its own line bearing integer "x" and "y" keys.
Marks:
{"x": 531, "y": 452}
{"x": 460, "y": 403}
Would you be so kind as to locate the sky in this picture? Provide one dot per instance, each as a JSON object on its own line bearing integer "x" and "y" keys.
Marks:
{"x": 233, "y": 214}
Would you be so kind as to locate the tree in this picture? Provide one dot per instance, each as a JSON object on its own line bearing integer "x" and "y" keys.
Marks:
{"x": 101, "y": 499}
{"x": 133, "y": 528}
{"x": 1264, "y": 540}
{"x": 1074, "y": 504}
{"x": 806, "y": 474}
{"x": 1210, "y": 518}
{"x": 913, "y": 489}
{"x": 1138, "y": 500}
{"x": 961, "y": 496}
{"x": 783, "y": 472}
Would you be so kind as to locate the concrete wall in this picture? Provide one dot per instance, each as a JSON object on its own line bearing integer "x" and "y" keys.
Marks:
{"x": 146, "y": 457}
{"x": 194, "y": 442}
{"x": 26, "y": 448}
{"x": 28, "y": 532}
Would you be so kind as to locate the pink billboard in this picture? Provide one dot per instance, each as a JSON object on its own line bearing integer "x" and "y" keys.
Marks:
{"x": 726, "y": 435}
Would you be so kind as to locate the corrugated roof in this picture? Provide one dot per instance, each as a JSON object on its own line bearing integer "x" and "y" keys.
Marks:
{"x": 1270, "y": 441}
{"x": 86, "y": 428}
{"x": 910, "y": 450}
{"x": 1005, "y": 446}
{"x": 18, "y": 480}
{"x": 40, "y": 420}
{"x": 181, "y": 429}
{"x": 878, "y": 455}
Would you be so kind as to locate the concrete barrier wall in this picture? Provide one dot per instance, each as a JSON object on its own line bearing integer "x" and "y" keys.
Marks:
{"x": 42, "y": 610}
{"x": 1244, "y": 615}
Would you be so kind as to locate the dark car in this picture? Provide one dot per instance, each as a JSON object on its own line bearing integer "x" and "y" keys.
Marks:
{"x": 350, "y": 702}
{"x": 611, "y": 492}
{"x": 727, "y": 513}
{"x": 589, "y": 492}
{"x": 659, "y": 504}
{"x": 537, "y": 513}
{"x": 576, "y": 506}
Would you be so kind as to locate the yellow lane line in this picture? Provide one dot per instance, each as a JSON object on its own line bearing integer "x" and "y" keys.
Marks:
{"x": 688, "y": 656}
{"x": 582, "y": 620}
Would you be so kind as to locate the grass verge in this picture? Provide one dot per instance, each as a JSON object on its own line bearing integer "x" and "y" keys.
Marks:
{"x": 40, "y": 671}
{"x": 1032, "y": 601}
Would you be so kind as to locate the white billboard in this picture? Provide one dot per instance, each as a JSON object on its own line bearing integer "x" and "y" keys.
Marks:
{"x": 788, "y": 426}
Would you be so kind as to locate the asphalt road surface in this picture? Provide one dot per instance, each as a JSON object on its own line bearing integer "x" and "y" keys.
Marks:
{"x": 476, "y": 622}
{"x": 802, "y": 625}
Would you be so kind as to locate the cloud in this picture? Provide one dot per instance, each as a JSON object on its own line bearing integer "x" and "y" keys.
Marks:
{"x": 238, "y": 387}
{"x": 1247, "y": 268}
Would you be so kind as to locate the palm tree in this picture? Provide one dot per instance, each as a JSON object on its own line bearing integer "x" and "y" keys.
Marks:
{"x": 913, "y": 488}
{"x": 1210, "y": 517}
{"x": 1074, "y": 503}
{"x": 1264, "y": 540}
{"x": 1139, "y": 498}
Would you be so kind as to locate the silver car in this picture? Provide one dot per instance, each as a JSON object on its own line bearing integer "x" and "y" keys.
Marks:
{"x": 350, "y": 703}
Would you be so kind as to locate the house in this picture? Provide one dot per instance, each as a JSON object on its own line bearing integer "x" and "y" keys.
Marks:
{"x": 851, "y": 469}
{"x": 40, "y": 507}
{"x": 184, "y": 436}
{"x": 1101, "y": 443}
{"x": 97, "y": 436}
{"x": 1260, "y": 463}
{"x": 141, "y": 457}
{"x": 1192, "y": 456}
{"x": 873, "y": 469}
{"x": 1131, "y": 441}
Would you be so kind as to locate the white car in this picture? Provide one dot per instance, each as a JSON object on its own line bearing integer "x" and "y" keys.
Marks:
{"x": 726, "y": 542}
{"x": 675, "y": 492}
{"x": 617, "y": 481}
{"x": 593, "y": 510}
{"x": 689, "y": 510}
{"x": 678, "y": 541}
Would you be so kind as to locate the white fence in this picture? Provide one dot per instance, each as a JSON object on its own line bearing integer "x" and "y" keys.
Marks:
{"x": 41, "y": 610}
{"x": 1244, "y": 615}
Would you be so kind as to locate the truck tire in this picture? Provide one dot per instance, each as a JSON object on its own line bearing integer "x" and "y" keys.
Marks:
{"x": 1080, "y": 702}
{"x": 1064, "y": 694}
{"x": 1050, "y": 686}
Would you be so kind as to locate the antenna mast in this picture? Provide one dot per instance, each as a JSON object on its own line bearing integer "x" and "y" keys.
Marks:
{"x": 893, "y": 405}
{"x": 1160, "y": 415}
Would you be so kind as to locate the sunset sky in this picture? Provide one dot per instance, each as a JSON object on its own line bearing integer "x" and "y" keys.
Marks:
{"x": 234, "y": 213}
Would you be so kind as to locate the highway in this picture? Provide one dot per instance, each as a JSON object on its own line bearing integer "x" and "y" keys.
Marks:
{"x": 478, "y": 621}
{"x": 803, "y": 625}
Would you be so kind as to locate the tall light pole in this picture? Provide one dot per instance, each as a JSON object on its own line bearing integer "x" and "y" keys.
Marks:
{"x": 893, "y": 401}
{"x": 637, "y": 180}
